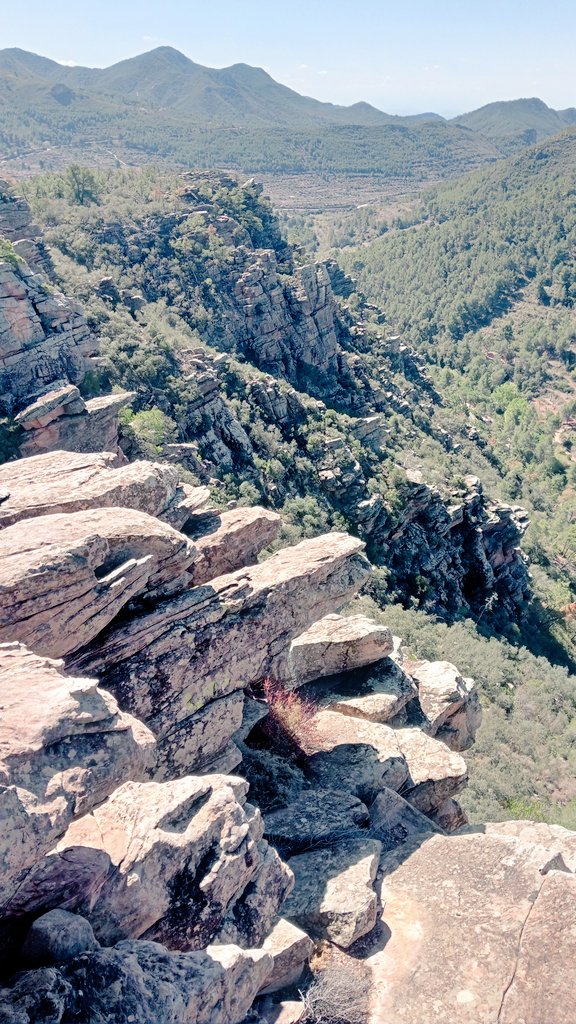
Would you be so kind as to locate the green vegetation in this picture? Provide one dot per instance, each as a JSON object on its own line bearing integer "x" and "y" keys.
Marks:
{"x": 162, "y": 106}
{"x": 485, "y": 286}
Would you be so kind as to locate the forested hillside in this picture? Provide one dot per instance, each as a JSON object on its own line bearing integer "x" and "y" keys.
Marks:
{"x": 484, "y": 284}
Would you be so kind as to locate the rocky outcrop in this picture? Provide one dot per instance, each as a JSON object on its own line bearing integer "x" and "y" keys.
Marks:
{"x": 458, "y": 554}
{"x": 68, "y": 482}
{"x": 43, "y": 336}
{"x": 334, "y": 644}
{"x": 239, "y": 625}
{"x": 236, "y": 538}
{"x": 61, "y": 420}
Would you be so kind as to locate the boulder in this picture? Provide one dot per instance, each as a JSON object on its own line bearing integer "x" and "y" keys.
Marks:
{"x": 56, "y": 938}
{"x": 239, "y": 537}
{"x": 449, "y": 702}
{"x": 71, "y": 482}
{"x": 170, "y": 662}
{"x": 60, "y": 587}
{"x": 419, "y": 766}
{"x": 290, "y": 949}
{"x": 140, "y": 982}
{"x": 319, "y": 817}
{"x": 333, "y": 896}
{"x": 288, "y": 1011}
{"x": 393, "y": 820}
{"x": 64, "y": 747}
{"x": 357, "y": 768}
{"x": 378, "y": 692}
{"x": 462, "y": 901}
{"x": 178, "y": 855}
{"x": 334, "y": 644}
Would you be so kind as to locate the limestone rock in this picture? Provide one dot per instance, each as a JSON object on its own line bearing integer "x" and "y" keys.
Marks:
{"x": 466, "y": 901}
{"x": 378, "y": 692}
{"x": 333, "y": 896}
{"x": 290, "y": 949}
{"x": 63, "y": 582}
{"x": 62, "y": 421}
{"x": 168, "y": 664}
{"x": 72, "y": 482}
{"x": 542, "y": 987}
{"x": 178, "y": 854}
{"x": 421, "y": 767}
{"x": 239, "y": 537}
{"x": 140, "y": 982}
{"x": 57, "y": 937}
{"x": 393, "y": 820}
{"x": 450, "y": 703}
{"x": 64, "y": 747}
{"x": 319, "y": 817}
{"x": 334, "y": 644}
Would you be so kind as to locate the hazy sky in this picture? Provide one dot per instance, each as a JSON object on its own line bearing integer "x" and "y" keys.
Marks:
{"x": 403, "y": 56}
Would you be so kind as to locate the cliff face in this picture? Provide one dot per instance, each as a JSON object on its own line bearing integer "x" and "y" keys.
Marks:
{"x": 139, "y": 641}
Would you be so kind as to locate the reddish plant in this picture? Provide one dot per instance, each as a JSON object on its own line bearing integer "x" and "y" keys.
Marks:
{"x": 290, "y": 722}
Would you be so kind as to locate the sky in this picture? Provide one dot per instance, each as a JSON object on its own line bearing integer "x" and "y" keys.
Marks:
{"x": 404, "y": 57}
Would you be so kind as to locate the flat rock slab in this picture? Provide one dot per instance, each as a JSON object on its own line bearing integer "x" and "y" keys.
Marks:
{"x": 319, "y": 817}
{"x": 64, "y": 481}
{"x": 236, "y": 541}
{"x": 333, "y": 896}
{"x": 553, "y": 837}
{"x": 455, "y": 909}
{"x": 543, "y": 986}
{"x": 378, "y": 692}
{"x": 336, "y": 643}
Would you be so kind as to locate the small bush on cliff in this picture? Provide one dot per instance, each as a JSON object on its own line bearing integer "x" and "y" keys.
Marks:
{"x": 9, "y": 254}
{"x": 290, "y": 722}
{"x": 339, "y": 994}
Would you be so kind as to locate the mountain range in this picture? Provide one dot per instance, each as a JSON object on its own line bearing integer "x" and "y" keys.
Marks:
{"x": 161, "y": 105}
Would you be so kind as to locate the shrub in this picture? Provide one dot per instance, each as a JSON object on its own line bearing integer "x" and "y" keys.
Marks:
{"x": 290, "y": 722}
{"x": 339, "y": 994}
